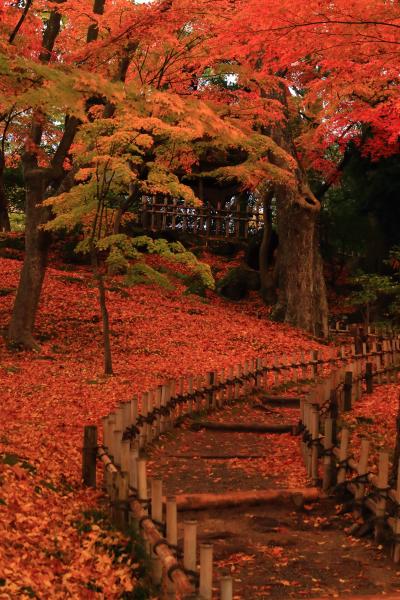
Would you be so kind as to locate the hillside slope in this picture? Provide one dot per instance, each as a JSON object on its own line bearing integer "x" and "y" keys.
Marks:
{"x": 47, "y": 548}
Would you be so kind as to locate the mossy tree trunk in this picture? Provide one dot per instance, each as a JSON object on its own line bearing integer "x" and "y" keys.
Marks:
{"x": 302, "y": 298}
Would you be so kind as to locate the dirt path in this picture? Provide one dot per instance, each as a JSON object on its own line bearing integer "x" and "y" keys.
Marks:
{"x": 271, "y": 551}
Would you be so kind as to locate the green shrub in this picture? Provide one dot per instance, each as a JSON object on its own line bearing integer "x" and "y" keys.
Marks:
{"x": 142, "y": 273}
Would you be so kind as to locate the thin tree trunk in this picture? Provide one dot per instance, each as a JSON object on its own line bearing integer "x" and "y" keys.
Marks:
{"x": 37, "y": 180}
{"x": 108, "y": 369}
{"x": 267, "y": 275}
{"x": 302, "y": 294}
{"x": 26, "y": 303}
{"x": 4, "y": 218}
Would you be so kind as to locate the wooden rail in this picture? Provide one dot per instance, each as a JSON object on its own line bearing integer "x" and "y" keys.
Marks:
{"x": 337, "y": 376}
{"x": 207, "y": 221}
{"x": 338, "y": 470}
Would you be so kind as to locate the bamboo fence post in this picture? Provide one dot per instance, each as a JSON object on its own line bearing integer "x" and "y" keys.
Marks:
{"x": 200, "y": 400}
{"x": 206, "y": 565}
{"x": 114, "y": 494}
{"x": 396, "y": 546}
{"x": 126, "y": 415}
{"x": 122, "y": 500}
{"x": 348, "y": 390}
{"x": 134, "y": 411}
{"x": 119, "y": 418}
{"x": 143, "y": 427}
{"x": 171, "y": 393}
{"x": 190, "y": 545}
{"x": 106, "y": 445}
{"x": 153, "y": 536}
{"x": 285, "y": 369}
{"x": 89, "y": 456}
{"x": 156, "y": 500}
{"x": 383, "y": 361}
{"x": 343, "y": 454}
{"x": 172, "y": 521}
{"x": 303, "y": 366}
{"x": 149, "y": 426}
{"x": 299, "y": 360}
{"x": 315, "y": 443}
{"x": 106, "y": 435}
{"x": 226, "y": 587}
{"x": 354, "y": 387}
{"x": 328, "y": 460}
{"x": 382, "y": 481}
{"x": 125, "y": 452}
{"x": 172, "y": 537}
{"x": 379, "y": 364}
{"x": 156, "y": 515}
{"x": 181, "y": 392}
{"x": 142, "y": 482}
{"x": 163, "y": 418}
{"x": 133, "y": 470}
{"x": 340, "y": 388}
{"x": 237, "y": 384}
{"x": 315, "y": 358}
{"x": 302, "y": 420}
{"x": 110, "y": 435}
{"x": 117, "y": 439}
{"x": 368, "y": 378}
{"x": 362, "y": 469}
{"x": 359, "y": 378}
{"x": 308, "y": 449}
{"x": 225, "y": 389}
{"x": 157, "y": 406}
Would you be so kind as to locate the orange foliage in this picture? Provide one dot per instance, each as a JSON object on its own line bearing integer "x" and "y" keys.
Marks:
{"x": 47, "y": 398}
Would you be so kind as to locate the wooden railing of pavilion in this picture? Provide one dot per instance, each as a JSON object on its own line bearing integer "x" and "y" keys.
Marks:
{"x": 206, "y": 220}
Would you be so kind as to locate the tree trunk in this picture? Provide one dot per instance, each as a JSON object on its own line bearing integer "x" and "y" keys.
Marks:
{"x": 267, "y": 271}
{"x": 302, "y": 294}
{"x": 40, "y": 183}
{"x": 20, "y": 330}
{"x": 108, "y": 370}
{"x": 4, "y": 218}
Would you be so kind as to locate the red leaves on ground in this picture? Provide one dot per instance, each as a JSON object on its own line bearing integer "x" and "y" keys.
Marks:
{"x": 48, "y": 397}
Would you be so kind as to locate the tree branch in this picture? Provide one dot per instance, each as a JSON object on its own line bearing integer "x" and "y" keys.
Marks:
{"x": 21, "y": 20}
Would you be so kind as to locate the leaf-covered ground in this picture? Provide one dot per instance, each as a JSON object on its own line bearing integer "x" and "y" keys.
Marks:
{"x": 47, "y": 398}
{"x": 272, "y": 551}
{"x": 374, "y": 417}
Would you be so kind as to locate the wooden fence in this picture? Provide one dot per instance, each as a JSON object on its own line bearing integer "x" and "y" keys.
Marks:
{"x": 327, "y": 450}
{"x": 337, "y": 379}
{"x": 207, "y": 221}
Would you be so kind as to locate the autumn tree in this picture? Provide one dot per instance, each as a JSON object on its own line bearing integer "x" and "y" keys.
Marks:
{"x": 66, "y": 66}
